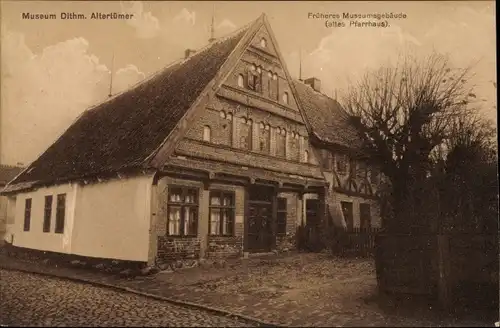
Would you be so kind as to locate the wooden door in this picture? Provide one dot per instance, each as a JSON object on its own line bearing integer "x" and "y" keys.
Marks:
{"x": 312, "y": 212}
{"x": 259, "y": 226}
{"x": 259, "y": 232}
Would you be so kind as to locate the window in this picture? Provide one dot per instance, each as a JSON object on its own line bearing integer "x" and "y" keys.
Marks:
{"x": 280, "y": 142}
{"x": 306, "y": 156}
{"x": 281, "y": 216}
{"x": 245, "y": 133}
{"x": 182, "y": 212}
{"x": 207, "y": 133}
{"x": 221, "y": 213}
{"x": 326, "y": 159}
{"x": 47, "y": 213}
{"x": 348, "y": 214}
{"x": 285, "y": 98}
{"x": 60, "y": 213}
{"x": 241, "y": 81}
{"x": 341, "y": 164}
{"x": 294, "y": 146}
{"x": 263, "y": 43}
{"x": 254, "y": 81}
{"x": 264, "y": 137}
{"x": 27, "y": 214}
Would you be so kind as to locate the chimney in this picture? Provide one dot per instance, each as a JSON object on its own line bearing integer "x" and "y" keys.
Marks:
{"x": 188, "y": 53}
{"x": 314, "y": 83}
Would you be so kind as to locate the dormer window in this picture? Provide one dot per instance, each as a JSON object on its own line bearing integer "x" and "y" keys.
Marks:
{"x": 263, "y": 43}
{"x": 285, "y": 98}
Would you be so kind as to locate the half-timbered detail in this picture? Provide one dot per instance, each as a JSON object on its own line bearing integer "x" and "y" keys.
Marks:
{"x": 215, "y": 156}
{"x": 352, "y": 180}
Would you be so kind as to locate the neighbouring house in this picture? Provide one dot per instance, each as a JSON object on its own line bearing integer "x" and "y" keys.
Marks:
{"x": 7, "y": 173}
{"x": 219, "y": 154}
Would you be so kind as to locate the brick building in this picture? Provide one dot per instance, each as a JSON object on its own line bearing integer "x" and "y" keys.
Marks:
{"x": 218, "y": 154}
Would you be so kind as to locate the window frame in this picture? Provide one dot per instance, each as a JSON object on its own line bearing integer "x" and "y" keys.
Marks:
{"x": 249, "y": 122}
{"x": 344, "y": 169}
{"x": 263, "y": 42}
{"x": 286, "y": 98}
{"x": 281, "y": 213}
{"x": 47, "y": 213}
{"x": 265, "y": 136}
{"x": 241, "y": 81}
{"x": 205, "y": 129}
{"x": 60, "y": 213}
{"x": 221, "y": 207}
{"x": 28, "y": 204}
{"x": 182, "y": 205}
{"x": 306, "y": 156}
{"x": 281, "y": 133}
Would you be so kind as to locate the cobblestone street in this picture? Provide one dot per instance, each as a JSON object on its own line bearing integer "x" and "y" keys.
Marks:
{"x": 32, "y": 300}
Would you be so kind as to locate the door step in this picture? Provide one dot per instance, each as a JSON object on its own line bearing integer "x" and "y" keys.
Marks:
{"x": 257, "y": 255}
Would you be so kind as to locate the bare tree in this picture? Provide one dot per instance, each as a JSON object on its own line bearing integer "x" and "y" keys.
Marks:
{"x": 404, "y": 114}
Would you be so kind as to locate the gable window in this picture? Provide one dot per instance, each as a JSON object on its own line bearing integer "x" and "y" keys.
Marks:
{"x": 306, "y": 156}
{"x": 281, "y": 216}
{"x": 264, "y": 137}
{"x": 207, "y": 133}
{"x": 263, "y": 43}
{"x": 241, "y": 81}
{"x": 280, "y": 142}
{"x": 60, "y": 213}
{"x": 341, "y": 164}
{"x": 326, "y": 159}
{"x": 272, "y": 85}
{"x": 47, "y": 213}
{"x": 294, "y": 146}
{"x": 27, "y": 214}
{"x": 245, "y": 133}
{"x": 285, "y": 98}
{"x": 182, "y": 211}
{"x": 254, "y": 81}
{"x": 222, "y": 211}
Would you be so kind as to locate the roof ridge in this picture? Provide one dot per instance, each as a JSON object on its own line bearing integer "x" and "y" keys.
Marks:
{"x": 173, "y": 63}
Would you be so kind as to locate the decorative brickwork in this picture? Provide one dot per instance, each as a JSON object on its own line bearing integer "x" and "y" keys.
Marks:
{"x": 225, "y": 247}
{"x": 173, "y": 249}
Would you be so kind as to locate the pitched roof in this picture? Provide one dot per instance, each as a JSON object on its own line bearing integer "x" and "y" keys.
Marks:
{"x": 328, "y": 120}
{"x": 123, "y": 131}
{"x": 8, "y": 173}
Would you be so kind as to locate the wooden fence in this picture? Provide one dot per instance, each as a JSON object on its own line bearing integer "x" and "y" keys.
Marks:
{"x": 453, "y": 268}
{"x": 356, "y": 241}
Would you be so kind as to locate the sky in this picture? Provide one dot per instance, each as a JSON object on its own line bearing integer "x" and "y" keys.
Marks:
{"x": 52, "y": 70}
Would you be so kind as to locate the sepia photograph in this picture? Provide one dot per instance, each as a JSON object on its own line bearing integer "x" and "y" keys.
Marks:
{"x": 249, "y": 164}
